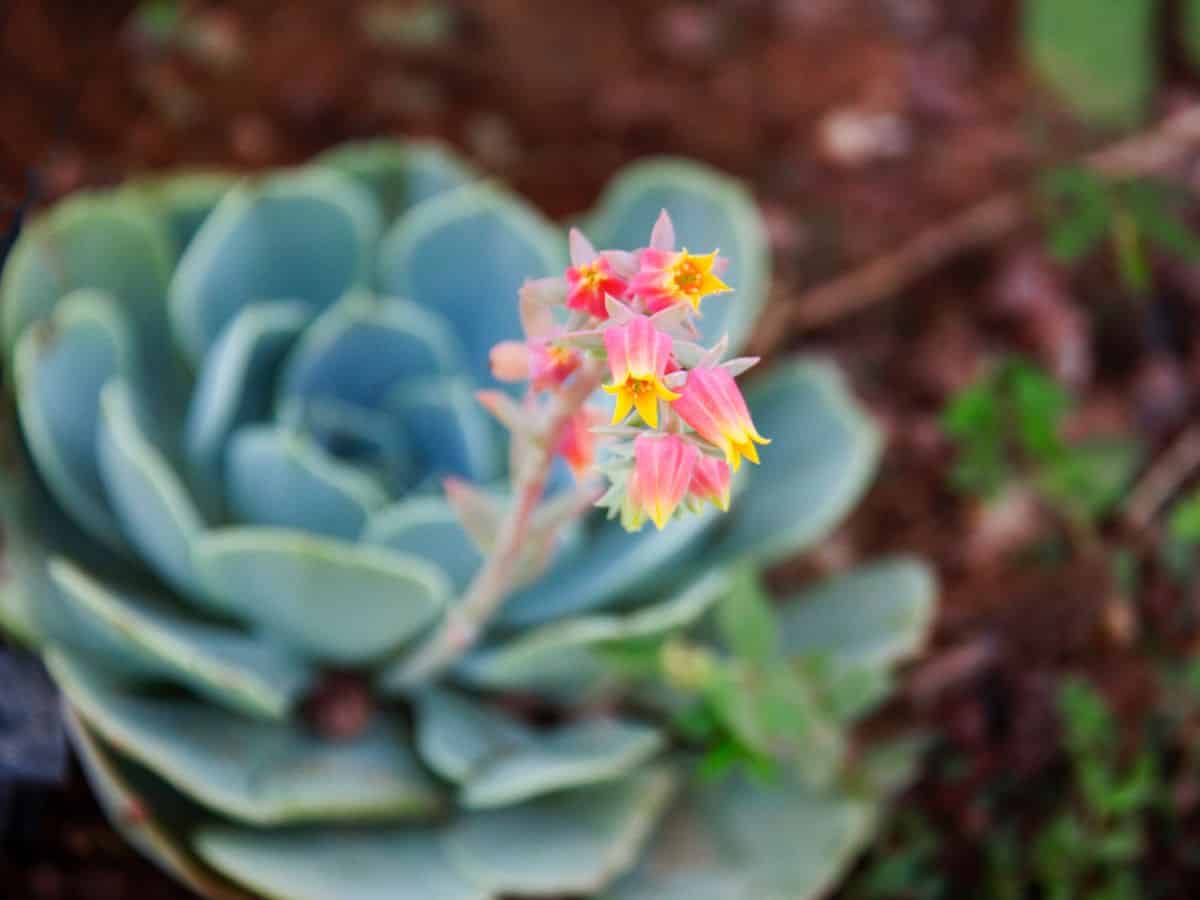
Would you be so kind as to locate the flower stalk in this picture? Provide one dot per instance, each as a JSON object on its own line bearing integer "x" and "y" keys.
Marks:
{"x": 493, "y": 583}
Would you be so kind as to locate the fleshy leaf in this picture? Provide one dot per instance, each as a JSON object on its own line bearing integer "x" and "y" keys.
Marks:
{"x": 155, "y": 510}
{"x": 384, "y": 863}
{"x": 465, "y": 254}
{"x": 100, "y": 242}
{"x": 572, "y": 842}
{"x": 499, "y": 761}
{"x": 734, "y": 839}
{"x": 61, "y": 365}
{"x": 823, "y": 454}
{"x": 183, "y": 201}
{"x": 363, "y": 346}
{"x": 336, "y": 601}
{"x": 400, "y": 175}
{"x": 237, "y": 671}
{"x": 449, "y": 429}
{"x": 561, "y": 660}
{"x": 304, "y": 236}
{"x": 372, "y": 440}
{"x": 609, "y": 564}
{"x": 428, "y": 528}
{"x": 263, "y": 773}
{"x": 275, "y": 476}
{"x": 235, "y": 384}
{"x": 710, "y": 211}
{"x": 872, "y": 617}
{"x": 146, "y": 813}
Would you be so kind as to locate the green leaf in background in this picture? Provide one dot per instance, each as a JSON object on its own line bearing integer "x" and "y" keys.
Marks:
{"x": 1039, "y": 404}
{"x": 1156, "y": 208}
{"x": 1189, "y": 29}
{"x": 1184, "y": 523}
{"x": 1097, "y": 58}
{"x": 1087, "y": 480}
{"x": 1078, "y": 210}
{"x": 745, "y": 618}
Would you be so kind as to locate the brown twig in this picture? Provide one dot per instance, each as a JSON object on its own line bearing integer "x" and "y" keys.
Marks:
{"x": 996, "y": 217}
{"x": 1163, "y": 479}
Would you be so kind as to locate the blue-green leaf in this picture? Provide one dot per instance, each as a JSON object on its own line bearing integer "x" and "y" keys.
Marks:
{"x": 400, "y": 175}
{"x": 95, "y": 241}
{"x": 734, "y": 839}
{"x": 382, "y": 863}
{"x": 61, "y": 365}
{"x": 146, "y": 813}
{"x": 872, "y": 617}
{"x": 428, "y": 528}
{"x": 182, "y": 202}
{"x": 373, "y": 440}
{"x": 607, "y": 565}
{"x": 450, "y": 431}
{"x": 156, "y": 513}
{"x": 561, "y": 659}
{"x": 710, "y": 211}
{"x": 338, "y": 602}
{"x": 363, "y": 346}
{"x": 572, "y": 842}
{"x": 498, "y": 760}
{"x": 236, "y": 384}
{"x": 237, "y": 671}
{"x": 465, "y": 254}
{"x": 306, "y": 236}
{"x": 263, "y": 773}
{"x": 276, "y": 476}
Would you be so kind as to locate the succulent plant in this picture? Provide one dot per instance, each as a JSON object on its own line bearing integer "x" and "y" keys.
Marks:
{"x": 225, "y": 533}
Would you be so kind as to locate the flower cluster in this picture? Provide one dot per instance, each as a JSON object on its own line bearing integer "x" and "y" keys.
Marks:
{"x": 679, "y": 426}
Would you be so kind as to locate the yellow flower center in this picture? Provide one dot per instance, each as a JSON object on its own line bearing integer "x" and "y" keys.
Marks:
{"x": 590, "y": 276}
{"x": 688, "y": 277}
{"x": 640, "y": 387}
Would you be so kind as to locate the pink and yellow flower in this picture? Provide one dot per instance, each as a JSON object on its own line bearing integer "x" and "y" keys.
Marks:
{"x": 638, "y": 354}
{"x": 550, "y": 365}
{"x": 663, "y": 466}
{"x": 577, "y": 443}
{"x": 711, "y": 482}
{"x": 592, "y": 276}
{"x": 667, "y": 277}
{"x": 713, "y": 405}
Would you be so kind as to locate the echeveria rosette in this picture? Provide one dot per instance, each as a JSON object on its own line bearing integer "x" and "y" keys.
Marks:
{"x": 239, "y": 402}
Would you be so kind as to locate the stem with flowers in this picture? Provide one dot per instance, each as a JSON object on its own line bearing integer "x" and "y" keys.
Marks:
{"x": 493, "y": 582}
{"x": 679, "y": 425}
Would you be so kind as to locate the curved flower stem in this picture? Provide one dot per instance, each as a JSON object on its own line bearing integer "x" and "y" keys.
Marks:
{"x": 492, "y": 584}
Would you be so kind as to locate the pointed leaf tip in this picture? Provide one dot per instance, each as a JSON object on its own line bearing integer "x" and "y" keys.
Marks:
{"x": 662, "y": 237}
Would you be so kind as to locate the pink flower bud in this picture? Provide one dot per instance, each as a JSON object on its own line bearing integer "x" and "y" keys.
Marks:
{"x": 550, "y": 365}
{"x": 577, "y": 444}
{"x": 663, "y": 469}
{"x": 510, "y": 361}
{"x": 713, "y": 405}
{"x": 711, "y": 482}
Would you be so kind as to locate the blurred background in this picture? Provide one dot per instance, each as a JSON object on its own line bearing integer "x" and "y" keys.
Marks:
{"x": 983, "y": 209}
